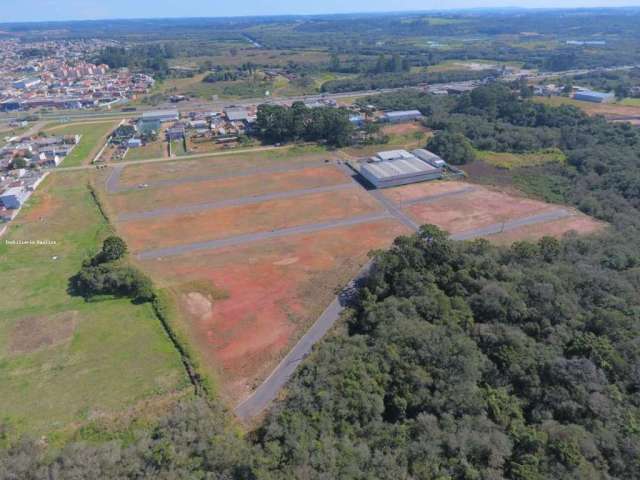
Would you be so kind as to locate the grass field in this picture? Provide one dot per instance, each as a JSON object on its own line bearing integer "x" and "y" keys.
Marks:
{"x": 157, "y": 149}
{"x": 509, "y": 161}
{"x": 222, "y": 164}
{"x": 94, "y": 134}
{"x": 608, "y": 109}
{"x": 65, "y": 362}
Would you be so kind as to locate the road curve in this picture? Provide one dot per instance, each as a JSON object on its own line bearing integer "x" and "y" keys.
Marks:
{"x": 269, "y": 389}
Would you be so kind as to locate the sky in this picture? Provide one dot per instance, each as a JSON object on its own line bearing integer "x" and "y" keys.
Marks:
{"x": 38, "y": 10}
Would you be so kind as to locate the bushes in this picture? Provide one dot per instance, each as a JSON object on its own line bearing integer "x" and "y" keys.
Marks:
{"x": 452, "y": 147}
{"x": 106, "y": 274}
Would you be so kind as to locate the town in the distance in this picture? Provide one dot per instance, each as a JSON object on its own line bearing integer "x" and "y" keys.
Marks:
{"x": 328, "y": 246}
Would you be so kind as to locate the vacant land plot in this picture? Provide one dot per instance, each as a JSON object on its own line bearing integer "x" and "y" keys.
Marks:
{"x": 478, "y": 208}
{"x": 63, "y": 361}
{"x": 257, "y": 217}
{"x": 223, "y": 164}
{"x": 462, "y": 207}
{"x": 94, "y": 135}
{"x": 269, "y": 293}
{"x": 607, "y": 109}
{"x": 233, "y": 187}
{"x": 510, "y": 161}
{"x": 580, "y": 224}
{"x": 425, "y": 190}
{"x": 156, "y": 149}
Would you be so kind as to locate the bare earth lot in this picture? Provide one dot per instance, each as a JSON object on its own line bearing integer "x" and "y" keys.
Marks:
{"x": 237, "y": 186}
{"x": 227, "y": 222}
{"x": 273, "y": 291}
{"x": 460, "y": 207}
{"x": 245, "y": 301}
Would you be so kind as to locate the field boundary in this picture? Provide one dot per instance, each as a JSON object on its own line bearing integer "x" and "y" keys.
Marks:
{"x": 160, "y": 309}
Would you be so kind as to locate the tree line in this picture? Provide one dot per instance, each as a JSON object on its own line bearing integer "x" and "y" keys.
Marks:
{"x": 277, "y": 123}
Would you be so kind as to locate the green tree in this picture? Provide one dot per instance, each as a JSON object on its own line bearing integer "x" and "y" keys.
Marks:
{"x": 113, "y": 248}
{"x": 452, "y": 147}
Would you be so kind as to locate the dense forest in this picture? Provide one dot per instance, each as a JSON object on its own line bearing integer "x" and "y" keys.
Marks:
{"x": 277, "y": 123}
{"x": 458, "y": 360}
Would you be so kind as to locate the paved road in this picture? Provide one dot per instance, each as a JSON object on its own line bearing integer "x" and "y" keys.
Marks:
{"x": 269, "y": 389}
{"x": 259, "y": 236}
{"x": 293, "y": 166}
{"x": 389, "y": 206}
{"x": 231, "y": 202}
{"x": 111, "y": 184}
{"x": 512, "y": 225}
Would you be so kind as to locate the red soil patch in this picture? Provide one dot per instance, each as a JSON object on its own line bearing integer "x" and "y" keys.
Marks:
{"x": 414, "y": 191}
{"x": 133, "y": 175}
{"x": 264, "y": 216}
{"x": 580, "y": 224}
{"x": 275, "y": 289}
{"x": 30, "y": 334}
{"x": 476, "y": 209}
{"x": 235, "y": 187}
{"x": 404, "y": 128}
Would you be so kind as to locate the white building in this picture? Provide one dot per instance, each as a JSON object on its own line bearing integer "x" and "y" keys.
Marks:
{"x": 399, "y": 167}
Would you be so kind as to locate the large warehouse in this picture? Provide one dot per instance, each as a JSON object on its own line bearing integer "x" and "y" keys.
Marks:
{"x": 594, "y": 97}
{"x": 402, "y": 116}
{"x": 397, "y": 167}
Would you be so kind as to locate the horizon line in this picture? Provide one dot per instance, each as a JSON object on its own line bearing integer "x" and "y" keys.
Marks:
{"x": 373, "y": 12}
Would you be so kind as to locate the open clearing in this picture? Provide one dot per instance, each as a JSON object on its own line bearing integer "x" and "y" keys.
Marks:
{"x": 272, "y": 292}
{"x": 460, "y": 207}
{"x": 65, "y": 362}
{"x": 252, "y": 256}
{"x": 94, "y": 135}
{"x": 219, "y": 165}
{"x": 607, "y": 109}
{"x": 227, "y": 222}
{"x": 237, "y": 186}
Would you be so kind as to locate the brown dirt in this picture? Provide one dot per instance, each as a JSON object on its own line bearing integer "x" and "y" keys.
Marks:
{"x": 580, "y": 224}
{"x": 44, "y": 209}
{"x": 414, "y": 191}
{"x": 214, "y": 190}
{"x": 133, "y": 175}
{"x": 404, "y": 128}
{"x": 264, "y": 216}
{"x": 479, "y": 208}
{"x": 30, "y": 334}
{"x": 275, "y": 289}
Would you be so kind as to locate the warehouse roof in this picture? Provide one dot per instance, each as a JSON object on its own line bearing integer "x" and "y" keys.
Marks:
{"x": 392, "y": 155}
{"x": 591, "y": 93}
{"x": 403, "y": 167}
{"x": 159, "y": 113}
{"x": 404, "y": 113}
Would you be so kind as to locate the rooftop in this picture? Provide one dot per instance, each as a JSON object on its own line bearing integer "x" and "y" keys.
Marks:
{"x": 403, "y": 167}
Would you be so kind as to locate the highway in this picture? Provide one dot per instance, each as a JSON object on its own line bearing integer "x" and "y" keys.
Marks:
{"x": 218, "y": 105}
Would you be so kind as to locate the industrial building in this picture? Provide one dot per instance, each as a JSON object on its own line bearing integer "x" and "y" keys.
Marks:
{"x": 13, "y": 198}
{"x": 594, "y": 97}
{"x": 161, "y": 116}
{"x": 397, "y": 167}
{"x": 402, "y": 116}
{"x": 429, "y": 157}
